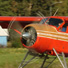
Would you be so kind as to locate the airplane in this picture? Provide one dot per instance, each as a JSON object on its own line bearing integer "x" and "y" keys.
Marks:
{"x": 48, "y": 37}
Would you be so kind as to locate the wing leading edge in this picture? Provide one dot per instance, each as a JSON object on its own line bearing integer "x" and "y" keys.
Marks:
{"x": 5, "y": 20}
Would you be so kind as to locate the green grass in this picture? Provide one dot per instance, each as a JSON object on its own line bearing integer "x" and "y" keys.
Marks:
{"x": 12, "y": 57}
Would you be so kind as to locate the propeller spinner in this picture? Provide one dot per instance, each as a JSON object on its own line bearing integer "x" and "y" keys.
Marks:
{"x": 29, "y": 36}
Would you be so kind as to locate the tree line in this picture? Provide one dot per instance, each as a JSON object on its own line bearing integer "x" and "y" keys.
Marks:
{"x": 32, "y": 7}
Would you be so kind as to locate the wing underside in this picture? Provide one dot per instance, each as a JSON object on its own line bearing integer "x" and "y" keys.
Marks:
{"x": 4, "y": 21}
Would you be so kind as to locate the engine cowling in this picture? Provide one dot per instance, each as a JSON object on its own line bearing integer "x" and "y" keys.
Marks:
{"x": 34, "y": 37}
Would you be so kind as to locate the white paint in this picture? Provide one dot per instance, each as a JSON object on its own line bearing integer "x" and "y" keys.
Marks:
{"x": 3, "y": 32}
{"x": 54, "y": 32}
{"x": 53, "y": 38}
{"x": 52, "y": 35}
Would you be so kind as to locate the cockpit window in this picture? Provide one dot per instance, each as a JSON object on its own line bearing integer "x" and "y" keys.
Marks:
{"x": 43, "y": 21}
{"x": 54, "y": 22}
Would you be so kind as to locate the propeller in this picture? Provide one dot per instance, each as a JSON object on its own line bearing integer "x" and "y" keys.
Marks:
{"x": 15, "y": 29}
{"x": 29, "y": 36}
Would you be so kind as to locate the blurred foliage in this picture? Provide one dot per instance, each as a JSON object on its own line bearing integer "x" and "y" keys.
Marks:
{"x": 31, "y": 7}
{"x": 14, "y": 39}
{"x": 16, "y": 43}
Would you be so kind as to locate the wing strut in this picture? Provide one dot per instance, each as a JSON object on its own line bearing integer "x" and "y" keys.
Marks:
{"x": 63, "y": 65}
{"x": 64, "y": 60}
{"x": 23, "y": 63}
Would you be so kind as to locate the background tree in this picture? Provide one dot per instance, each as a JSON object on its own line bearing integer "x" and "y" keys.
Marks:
{"x": 31, "y": 7}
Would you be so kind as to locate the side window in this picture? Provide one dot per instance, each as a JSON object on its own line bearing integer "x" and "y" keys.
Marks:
{"x": 64, "y": 28}
{"x": 55, "y": 22}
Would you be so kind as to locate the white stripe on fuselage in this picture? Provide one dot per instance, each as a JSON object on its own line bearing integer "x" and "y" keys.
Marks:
{"x": 54, "y": 32}
{"x": 53, "y": 36}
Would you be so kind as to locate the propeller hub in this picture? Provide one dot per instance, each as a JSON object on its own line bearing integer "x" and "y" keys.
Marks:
{"x": 26, "y": 35}
{"x": 29, "y": 36}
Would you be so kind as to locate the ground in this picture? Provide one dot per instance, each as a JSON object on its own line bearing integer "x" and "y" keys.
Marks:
{"x": 12, "y": 57}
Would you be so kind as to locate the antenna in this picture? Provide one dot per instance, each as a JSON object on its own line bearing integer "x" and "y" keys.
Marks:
{"x": 56, "y": 12}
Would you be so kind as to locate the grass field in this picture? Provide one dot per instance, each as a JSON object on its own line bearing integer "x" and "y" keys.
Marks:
{"x": 12, "y": 57}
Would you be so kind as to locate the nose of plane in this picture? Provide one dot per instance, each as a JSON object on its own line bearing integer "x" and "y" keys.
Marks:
{"x": 29, "y": 36}
{"x": 26, "y": 35}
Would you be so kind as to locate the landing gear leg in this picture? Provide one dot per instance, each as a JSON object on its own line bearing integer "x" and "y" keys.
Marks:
{"x": 49, "y": 62}
{"x": 45, "y": 56}
{"x": 24, "y": 59}
{"x": 64, "y": 66}
{"x": 22, "y": 66}
{"x": 64, "y": 60}
{"x": 44, "y": 61}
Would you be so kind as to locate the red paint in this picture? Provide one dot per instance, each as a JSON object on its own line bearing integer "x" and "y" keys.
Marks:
{"x": 44, "y": 44}
{"x": 11, "y": 18}
{"x": 5, "y": 20}
{"x": 17, "y": 31}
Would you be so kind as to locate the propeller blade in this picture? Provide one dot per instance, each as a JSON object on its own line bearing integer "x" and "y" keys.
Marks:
{"x": 17, "y": 31}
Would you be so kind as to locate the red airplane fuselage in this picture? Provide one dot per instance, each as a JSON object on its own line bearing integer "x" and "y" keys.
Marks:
{"x": 50, "y": 35}
{"x": 52, "y": 32}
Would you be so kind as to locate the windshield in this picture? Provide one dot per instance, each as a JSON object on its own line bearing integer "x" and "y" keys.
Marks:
{"x": 54, "y": 22}
{"x": 43, "y": 20}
